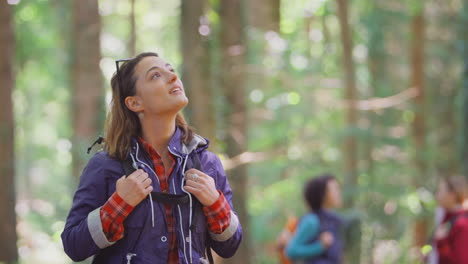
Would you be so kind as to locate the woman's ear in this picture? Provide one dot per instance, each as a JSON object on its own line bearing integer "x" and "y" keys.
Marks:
{"x": 134, "y": 103}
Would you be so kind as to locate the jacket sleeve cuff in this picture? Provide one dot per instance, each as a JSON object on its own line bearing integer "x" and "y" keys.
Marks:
{"x": 95, "y": 229}
{"x": 229, "y": 231}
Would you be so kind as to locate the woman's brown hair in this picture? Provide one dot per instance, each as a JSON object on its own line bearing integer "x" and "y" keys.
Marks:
{"x": 458, "y": 186}
{"x": 122, "y": 124}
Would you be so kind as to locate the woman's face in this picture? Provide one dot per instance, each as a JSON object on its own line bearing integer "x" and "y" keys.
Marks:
{"x": 333, "y": 195}
{"x": 158, "y": 88}
{"x": 445, "y": 197}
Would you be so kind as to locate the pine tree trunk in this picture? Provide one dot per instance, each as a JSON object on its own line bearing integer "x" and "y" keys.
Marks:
{"x": 8, "y": 248}
{"x": 420, "y": 227}
{"x": 376, "y": 67}
{"x": 376, "y": 55}
{"x": 464, "y": 92}
{"x": 86, "y": 80}
{"x": 196, "y": 68}
{"x": 352, "y": 252}
{"x": 350, "y": 145}
{"x": 232, "y": 82}
{"x": 264, "y": 14}
{"x": 417, "y": 81}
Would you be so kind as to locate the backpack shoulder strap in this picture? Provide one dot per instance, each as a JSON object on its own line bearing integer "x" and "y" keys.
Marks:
{"x": 128, "y": 167}
{"x": 165, "y": 198}
{"x": 194, "y": 162}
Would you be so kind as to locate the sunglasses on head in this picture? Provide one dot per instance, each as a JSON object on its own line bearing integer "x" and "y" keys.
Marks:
{"x": 118, "y": 72}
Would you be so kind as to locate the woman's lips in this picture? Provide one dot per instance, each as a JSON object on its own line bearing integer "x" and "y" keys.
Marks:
{"x": 175, "y": 90}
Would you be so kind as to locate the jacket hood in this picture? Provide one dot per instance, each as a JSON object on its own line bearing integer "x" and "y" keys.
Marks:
{"x": 197, "y": 144}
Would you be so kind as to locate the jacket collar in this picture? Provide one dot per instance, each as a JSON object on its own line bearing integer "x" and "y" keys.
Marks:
{"x": 197, "y": 144}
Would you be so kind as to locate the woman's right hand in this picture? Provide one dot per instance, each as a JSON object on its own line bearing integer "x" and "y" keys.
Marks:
{"x": 326, "y": 239}
{"x": 134, "y": 188}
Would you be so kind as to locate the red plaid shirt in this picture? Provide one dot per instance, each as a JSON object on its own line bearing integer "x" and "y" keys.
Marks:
{"x": 115, "y": 210}
{"x": 113, "y": 213}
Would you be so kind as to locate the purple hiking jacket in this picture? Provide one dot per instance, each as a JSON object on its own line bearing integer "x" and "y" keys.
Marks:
{"x": 83, "y": 236}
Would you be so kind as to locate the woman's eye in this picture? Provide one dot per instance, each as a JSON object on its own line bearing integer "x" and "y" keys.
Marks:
{"x": 156, "y": 75}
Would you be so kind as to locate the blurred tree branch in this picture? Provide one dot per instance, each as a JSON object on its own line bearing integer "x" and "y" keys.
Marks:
{"x": 248, "y": 157}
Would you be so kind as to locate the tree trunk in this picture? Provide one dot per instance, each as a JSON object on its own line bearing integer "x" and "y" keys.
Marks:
{"x": 419, "y": 130}
{"x": 196, "y": 67}
{"x": 375, "y": 25}
{"x": 417, "y": 81}
{"x": 132, "y": 39}
{"x": 350, "y": 144}
{"x": 264, "y": 14}
{"x": 326, "y": 33}
{"x": 232, "y": 82}
{"x": 9, "y": 251}
{"x": 442, "y": 86}
{"x": 86, "y": 78}
{"x": 464, "y": 34}
{"x": 352, "y": 253}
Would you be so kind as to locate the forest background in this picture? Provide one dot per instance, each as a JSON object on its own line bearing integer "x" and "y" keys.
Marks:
{"x": 373, "y": 91}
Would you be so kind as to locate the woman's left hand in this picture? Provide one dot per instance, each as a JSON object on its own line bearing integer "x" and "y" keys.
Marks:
{"x": 202, "y": 186}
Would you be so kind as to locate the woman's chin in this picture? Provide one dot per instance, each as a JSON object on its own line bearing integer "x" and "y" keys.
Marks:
{"x": 180, "y": 103}
{"x": 171, "y": 106}
{"x": 183, "y": 101}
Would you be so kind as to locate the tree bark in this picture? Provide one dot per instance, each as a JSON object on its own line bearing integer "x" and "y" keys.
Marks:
{"x": 86, "y": 79}
{"x": 232, "y": 82}
{"x": 417, "y": 81}
{"x": 264, "y": 14}
{"x": 196, "y": 67}
{"x": 464, "y": 34}
{"x": 376, "y": 66}
{"x": 350, "y": 144}
{"x": 419, "y": 124}
{"x": 9, "y": 250}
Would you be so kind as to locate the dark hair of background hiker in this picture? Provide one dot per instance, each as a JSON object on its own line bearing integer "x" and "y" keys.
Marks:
{"x": 318, "y": 237}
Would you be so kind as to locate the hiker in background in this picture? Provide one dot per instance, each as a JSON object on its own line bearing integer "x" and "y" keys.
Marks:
{"x": 317, "y": 238}
{"x": 176, "y": 203}
{"x": 451, "y": 235}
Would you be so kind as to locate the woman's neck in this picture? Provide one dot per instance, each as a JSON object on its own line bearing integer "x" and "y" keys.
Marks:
{"x": 158, "y": 131}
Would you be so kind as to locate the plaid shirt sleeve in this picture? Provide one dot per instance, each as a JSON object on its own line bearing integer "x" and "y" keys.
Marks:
{"x": 112, "y": 214}
{"x": 218, "y": 215}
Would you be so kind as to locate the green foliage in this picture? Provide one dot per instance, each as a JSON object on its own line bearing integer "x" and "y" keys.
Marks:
{"x": 296, "y": 118}
{"x": 43, "y": 129}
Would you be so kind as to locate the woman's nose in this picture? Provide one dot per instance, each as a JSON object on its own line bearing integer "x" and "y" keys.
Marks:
{"x": 172, "y": 77}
